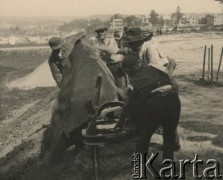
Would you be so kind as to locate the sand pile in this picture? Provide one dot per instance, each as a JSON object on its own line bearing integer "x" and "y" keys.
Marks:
{"x": 40, "y": 77}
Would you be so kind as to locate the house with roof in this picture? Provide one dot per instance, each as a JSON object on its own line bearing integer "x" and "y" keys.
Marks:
{"x": 192, "y": 20}
{"x": 210, "y": 20}
{"x": 4, "y": 40}
{"x": 169, "y": 21}
{"x": 144, "y": 19}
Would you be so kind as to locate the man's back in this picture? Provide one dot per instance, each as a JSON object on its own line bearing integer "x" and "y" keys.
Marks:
{"x": 149, "y": 78}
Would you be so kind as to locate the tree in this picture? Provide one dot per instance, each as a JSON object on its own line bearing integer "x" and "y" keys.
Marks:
{"x": 116, "y": 16}
{"x": 138, "y": 22}
{"x": 133, "y": 21}
{"x": 177, "y": 15}
{"x": 221, "y": 1}
{"x": 160, "y": 21}
{"x": 154, "y": 18}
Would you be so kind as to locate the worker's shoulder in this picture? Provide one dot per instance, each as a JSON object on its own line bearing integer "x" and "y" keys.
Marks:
{"x": 65, "y": 44}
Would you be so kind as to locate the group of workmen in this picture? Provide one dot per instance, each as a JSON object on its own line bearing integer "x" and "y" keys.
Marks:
{"x": 151, "y": 93}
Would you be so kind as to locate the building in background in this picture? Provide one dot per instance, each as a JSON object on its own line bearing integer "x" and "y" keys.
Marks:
{"x": 168, "y": 21}
{"x": 210, "y": 20}
{"x": 144, "y": 19}
{"x": 12, "y": 40}
{"x": 218, "y": 19}
{"x": 192, "y": 20}
{"x": 117, "y": 23}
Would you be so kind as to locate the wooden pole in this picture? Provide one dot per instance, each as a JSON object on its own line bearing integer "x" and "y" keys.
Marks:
{"x": 208, "y": 63}
{"x": 219, "y": 66}
{"x": 205, "y": 48}
{"x": 211, "y": 62}
{"x": 95, "y": 154}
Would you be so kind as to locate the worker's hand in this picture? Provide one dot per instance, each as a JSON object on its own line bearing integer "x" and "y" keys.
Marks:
{"x": 127, "y": 51}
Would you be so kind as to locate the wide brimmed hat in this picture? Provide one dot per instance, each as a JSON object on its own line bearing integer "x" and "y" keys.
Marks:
{"x": 55, "y": 43}
{"x": 135, "y": 34}
{"x": 101, "y": 28}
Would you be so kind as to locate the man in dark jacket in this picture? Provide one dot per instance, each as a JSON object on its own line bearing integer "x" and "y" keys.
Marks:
{"x": 153, "y": 102}
{"x": 140, "y": 45}
{"x": 57, "y": 59}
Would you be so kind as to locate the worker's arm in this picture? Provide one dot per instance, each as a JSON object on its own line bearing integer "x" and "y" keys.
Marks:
{"x": 171, "y": 66}
{"x": 55, "y": 73}
{"x": 127, "y": 108}
{"x": 110, "y": 46}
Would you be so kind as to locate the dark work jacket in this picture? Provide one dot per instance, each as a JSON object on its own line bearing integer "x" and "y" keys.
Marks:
{"x": 148, "y": 78}
{"x": 144, "y": 80}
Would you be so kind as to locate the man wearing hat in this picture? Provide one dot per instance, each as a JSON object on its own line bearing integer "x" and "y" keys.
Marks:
{"x": 147, "y": 54}
{"x": 57, "y": 58}
{"x": 109, "y": 52}
{"x": 106, "y": 42}
{"x": 153, "y": 102}
{"x": 144, "y": 48}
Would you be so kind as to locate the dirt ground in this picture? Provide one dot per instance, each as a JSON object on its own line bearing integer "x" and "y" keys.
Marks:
{"x": 25, "y": 114}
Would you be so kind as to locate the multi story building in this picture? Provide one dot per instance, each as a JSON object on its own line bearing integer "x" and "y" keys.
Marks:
{"x": 218, "y": 19}
{"x": 192, "y": 20}
{"x": 210, "y": 20}
{"x": 117, "y": 23}
{"x": 144, "y": 20}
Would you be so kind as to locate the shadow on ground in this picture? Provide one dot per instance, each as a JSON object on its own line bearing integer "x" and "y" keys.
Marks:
{"x": 205, "y": 127}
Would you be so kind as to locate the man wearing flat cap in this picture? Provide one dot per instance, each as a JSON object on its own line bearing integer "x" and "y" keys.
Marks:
{"x": 106, "y": 42}
{"x": 57, "y": 59}
{"x": 109, "y": 52}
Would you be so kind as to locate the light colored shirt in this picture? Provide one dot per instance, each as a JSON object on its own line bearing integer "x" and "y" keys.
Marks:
{"x": 149, "y": 54}
{"x": 110, "y": 45}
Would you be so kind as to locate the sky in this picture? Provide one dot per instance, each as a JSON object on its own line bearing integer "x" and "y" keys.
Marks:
{"x": 82, "y": 8}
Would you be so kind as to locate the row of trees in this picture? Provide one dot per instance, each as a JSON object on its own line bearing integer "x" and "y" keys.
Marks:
{"x": 154, "y": 18}
{"x": 132, "y": 20}
{"x": 221, "y": 1}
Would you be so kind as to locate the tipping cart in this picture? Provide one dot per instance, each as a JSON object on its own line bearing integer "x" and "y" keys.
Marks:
{"x": 100, "y": 130}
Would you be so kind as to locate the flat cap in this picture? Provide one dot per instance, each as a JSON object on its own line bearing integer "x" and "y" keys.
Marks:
{"x": 55, "y": 43}
{"x": 101, "y": 28}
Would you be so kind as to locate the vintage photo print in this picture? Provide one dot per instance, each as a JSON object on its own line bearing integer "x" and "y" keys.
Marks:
{"x": 111, "y": 89}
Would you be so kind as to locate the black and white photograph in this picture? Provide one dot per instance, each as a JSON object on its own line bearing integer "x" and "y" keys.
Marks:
{"x": 111, "y": 89}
